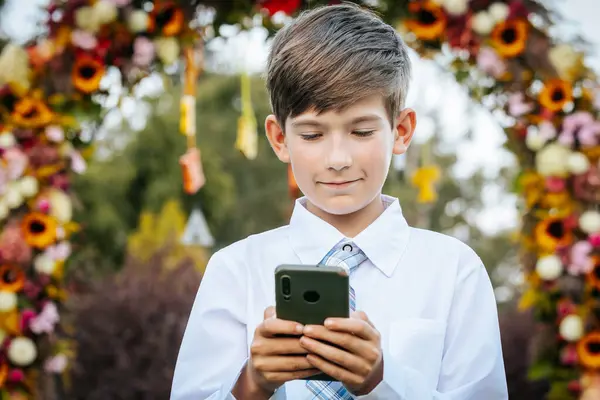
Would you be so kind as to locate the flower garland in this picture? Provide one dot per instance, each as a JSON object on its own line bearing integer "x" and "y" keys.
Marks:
{"x": 551, "y": 101}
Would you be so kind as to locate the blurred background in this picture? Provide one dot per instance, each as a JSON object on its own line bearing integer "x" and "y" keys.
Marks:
{"x": 139, "y": 256}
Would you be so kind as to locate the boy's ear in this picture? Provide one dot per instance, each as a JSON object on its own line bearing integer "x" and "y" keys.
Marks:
{"x": 277, "y": 138}
{"x": 406, "y": 123}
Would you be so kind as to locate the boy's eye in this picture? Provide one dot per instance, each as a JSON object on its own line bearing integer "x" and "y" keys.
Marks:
{"x": 363, "y": 133}
{"x": 311, "y": 136}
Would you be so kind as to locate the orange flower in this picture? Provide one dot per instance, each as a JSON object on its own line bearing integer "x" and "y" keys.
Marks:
{"x": 588, "y": 350}
{"x": 429, "y": 20}
{"x": 556, "y": 94}
{"x": 12, "y": 278}
{"x": 87, "y": 74}
{"x": 593, "y": 277}
{"x": 39, "y": 230}
{"x": 551, "y": 234}
{"x": 510, "y": 37}
{"x": 32, "y": 113}
{"x": 168, "y": 18}
{"x": 3, "y": 373}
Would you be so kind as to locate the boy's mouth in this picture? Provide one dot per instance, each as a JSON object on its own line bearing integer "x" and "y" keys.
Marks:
{"x": 339, "y": 184}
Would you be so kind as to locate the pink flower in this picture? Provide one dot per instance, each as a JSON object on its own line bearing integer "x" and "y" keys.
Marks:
{"x": 32, "y": 290}
{"x": 45, "y": 321}
{"x": 59, "y": 252}
{"x": 582, "y": 124}
{"x": 84, "y": 40}
{"x": 56, "y": 364}
{"x": 13, "y": 247}
{"x": 594, "y": 239}
{"x": 143, "y": 52}
{"x": 568, "y": 356}
{"x": 597, "y": 98}
{"x": 44, "y": 205}
{"x": 547, "y": 130}
{"x": 555, "y": 184}
{"x": 120, "y": 3}
{"x": 17, "y": 162}
{"x": 581, "y": 263}
{"x": 26, "y": 317}
{"x": 490, "y": 62}
{"x": 517, "y": 105}
{"x": 564, "y": 308}
{"x": 16, "y": 375}
{"x": 78, "y": 164}
{"x": 55, "y": 134}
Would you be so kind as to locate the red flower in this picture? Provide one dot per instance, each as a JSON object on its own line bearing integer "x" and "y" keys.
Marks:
{"x": 287, "y": 6}
{"x": 517, "y": 10}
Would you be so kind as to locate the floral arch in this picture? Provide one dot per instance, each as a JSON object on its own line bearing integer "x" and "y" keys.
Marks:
{"x": 50, "y": 90}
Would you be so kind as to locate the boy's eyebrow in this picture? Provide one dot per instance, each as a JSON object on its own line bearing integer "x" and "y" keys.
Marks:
{"x": 317, "y": 124}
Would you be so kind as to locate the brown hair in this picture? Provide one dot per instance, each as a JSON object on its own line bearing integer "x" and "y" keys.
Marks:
{"x": 330, "y": 57}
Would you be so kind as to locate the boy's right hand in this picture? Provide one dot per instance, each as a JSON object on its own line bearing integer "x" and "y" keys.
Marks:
{"x": 275, "y": 360}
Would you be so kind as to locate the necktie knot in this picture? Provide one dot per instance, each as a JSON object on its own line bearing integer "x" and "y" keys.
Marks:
{"x": 345, "y": 254}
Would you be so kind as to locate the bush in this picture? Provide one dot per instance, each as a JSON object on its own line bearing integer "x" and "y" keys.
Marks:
{"x": 128, "y": 331}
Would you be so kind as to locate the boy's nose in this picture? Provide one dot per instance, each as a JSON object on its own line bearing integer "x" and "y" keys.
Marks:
{"x": 339, "y": 156}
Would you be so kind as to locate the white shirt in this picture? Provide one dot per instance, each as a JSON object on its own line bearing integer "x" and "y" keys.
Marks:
{"x": 427, "y": 294}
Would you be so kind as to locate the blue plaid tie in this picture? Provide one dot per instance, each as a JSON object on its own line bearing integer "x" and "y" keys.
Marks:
{"x": 347, "y": 255}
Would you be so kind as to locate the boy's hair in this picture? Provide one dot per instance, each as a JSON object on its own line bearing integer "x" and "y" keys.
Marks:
{"x": 332, "y": 56}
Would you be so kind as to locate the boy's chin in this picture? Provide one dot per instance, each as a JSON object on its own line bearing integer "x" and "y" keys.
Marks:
{"x": 340, "y": 205}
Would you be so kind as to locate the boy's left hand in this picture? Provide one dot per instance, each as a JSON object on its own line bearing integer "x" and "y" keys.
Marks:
{"x": 359, "y": 362}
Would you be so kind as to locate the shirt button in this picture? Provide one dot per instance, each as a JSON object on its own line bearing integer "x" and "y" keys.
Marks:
{"x": 347, "y": 248}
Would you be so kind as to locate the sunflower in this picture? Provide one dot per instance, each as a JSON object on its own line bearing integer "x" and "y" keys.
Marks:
{"x": 510, "y": 37}
{"x": 556, "y": 94}
{"x": 429, "y": 21}
{"x": 168, "y": 18}
{"x": 551, "y": 234}
{"x": 31, "y": 113}
{"x": 12, "y": 278}
{"x": 87, "y": 74}
{"x": 39, "y": 230}
{"x": 593, "y": 277}
{"x": 588, "y": 350}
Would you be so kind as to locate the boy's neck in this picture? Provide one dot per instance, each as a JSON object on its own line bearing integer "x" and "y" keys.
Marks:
{"x": 352, "y": 224}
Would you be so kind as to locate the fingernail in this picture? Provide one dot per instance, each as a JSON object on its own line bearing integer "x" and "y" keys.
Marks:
{"x": 299, "y": 328}
{"x": 308, "y": 329}
{"x": 328, "y": 323}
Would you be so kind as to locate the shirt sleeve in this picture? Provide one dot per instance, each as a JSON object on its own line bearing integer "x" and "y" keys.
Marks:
{"x": 472, "y": 365}
{"x": 214, "y": 347}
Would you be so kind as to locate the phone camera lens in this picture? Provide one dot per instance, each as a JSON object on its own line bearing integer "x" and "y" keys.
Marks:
{"x": 286, "y": 284}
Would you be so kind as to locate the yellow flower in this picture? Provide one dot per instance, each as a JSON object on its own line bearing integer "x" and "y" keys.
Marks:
{"x": 87, "y": 74}
{"x": 428, "y": 21}
{"x": 556, "y": 94}
{"x": 14, "y": 68}
{"x": 510, "y": 37}
{"x": 552, "y": 234}
{"x": 39, "y": 230}
{"x": 567, "y": 61}
{"x": 588, "y": 350}
{"x": 424, "y": 179}
{"x": 32, "y": 113}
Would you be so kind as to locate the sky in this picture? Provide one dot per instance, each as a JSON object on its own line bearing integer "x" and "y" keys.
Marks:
{"x": 431, "y": 93}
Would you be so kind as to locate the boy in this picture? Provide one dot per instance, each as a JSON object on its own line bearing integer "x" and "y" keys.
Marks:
{"x": 428, "y": 327}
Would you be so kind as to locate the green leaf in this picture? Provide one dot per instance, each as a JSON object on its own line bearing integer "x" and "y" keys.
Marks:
{"x": 541, "y": 370}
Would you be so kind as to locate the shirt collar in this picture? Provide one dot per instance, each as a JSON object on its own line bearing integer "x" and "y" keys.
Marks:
{"x": 383, "y": 241}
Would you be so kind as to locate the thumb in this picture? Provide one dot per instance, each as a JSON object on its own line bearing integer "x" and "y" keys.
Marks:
{"x": 269, "y": 312}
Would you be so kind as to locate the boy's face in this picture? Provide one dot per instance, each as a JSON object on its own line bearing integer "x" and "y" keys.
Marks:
{"x": 341, "y": 160}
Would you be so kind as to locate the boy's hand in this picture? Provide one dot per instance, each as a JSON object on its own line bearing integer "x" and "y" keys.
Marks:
{"x": 359, "y": 362}
{"x": 274, "y": 360}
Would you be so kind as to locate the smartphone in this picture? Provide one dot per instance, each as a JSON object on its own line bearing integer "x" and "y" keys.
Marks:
{"x": 310, "y": 294}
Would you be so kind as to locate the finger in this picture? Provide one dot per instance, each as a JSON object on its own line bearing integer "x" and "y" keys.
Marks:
{"x": 275, "y": 326}
{"x": 347, "y": 341}
{"x": 282, "y": 377}
{"x": 337, "y": 356}
{"x": 269, "y": 312}
{"x": 355, "y": 326}
{"x": 346, "y": 377}
{"x": 277, "y": 346}
{"x": 281, "y": 364}
{"x": 362, "y": 315}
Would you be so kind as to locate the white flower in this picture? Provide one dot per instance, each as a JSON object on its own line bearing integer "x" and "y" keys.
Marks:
{"x": 571, "y": 328}
{"x": 7, "y": 140}
{"x": 167, "y": 49}
{"x": 22, "y": 351}
{"x": 578, "y": 163}
{"x": 61, "y": 207}
{"x": 44, "y": 264}
{"x": 589, "y": 222}
{"x": 87, "y": 19}
{"x": 535, "y": 141}
{"x": 14, "y": 67}
{"x": 56, "y": 364}
{"x": 29, "y": 186}
{"x": 138, "y": 21}
{"x": 13, "y": 197}
{"x": 552, "y": 160}
{"x": 483, "y": 23}
{"x": 499, "y": 11}
{"x": 566, "y": 60}
{"x": 549, "y": 267}
{"x": 105, "y": 11}
{"x": 456, "y": 7}
{"x": 8, "y": 301}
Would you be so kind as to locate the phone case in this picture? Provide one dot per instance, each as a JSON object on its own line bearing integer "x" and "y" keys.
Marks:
{"x": 311, "y": 295}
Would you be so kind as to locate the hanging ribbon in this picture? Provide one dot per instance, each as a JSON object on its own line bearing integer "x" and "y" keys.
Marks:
{"x": 191, "y": 162}
{"x": 426, "y": 176}
{"x": 247, "y": 134}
